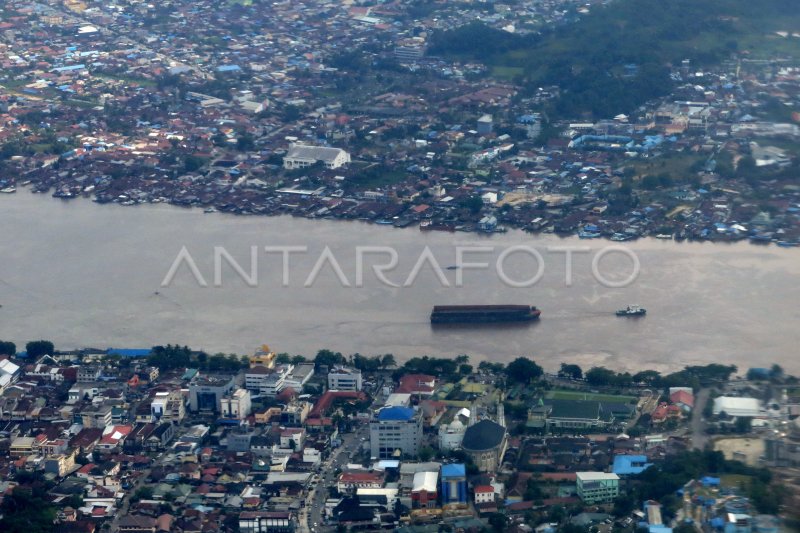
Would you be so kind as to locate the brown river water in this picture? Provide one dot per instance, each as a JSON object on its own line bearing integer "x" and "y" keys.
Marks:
{"x": 82, "y": 274}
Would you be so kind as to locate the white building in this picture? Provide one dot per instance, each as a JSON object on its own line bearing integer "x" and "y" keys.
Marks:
{"x": 344, "y": 379}
{"x": 298, "y": 377}
{"x": 484, "y": 494}
{"x": 302, "y": 156}
{"x": 269, "y": 382}
{"x": 9, "y": 373}
{"x": 395, "y": 431}
{"x": 451, "y": 435}
{"x": 237, "y": 405}
{"x": 735, "y": 406}
{"x": 595, "y": 487}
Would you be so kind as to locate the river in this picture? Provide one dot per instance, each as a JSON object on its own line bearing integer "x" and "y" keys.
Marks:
{"x": 82, "y": 274}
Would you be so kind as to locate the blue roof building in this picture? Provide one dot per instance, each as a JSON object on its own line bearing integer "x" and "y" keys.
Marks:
{"x": 454, "y": 484}
{"x": 630, "y": 465}
{"x": 395, "y": 413}
{"x": 395, "y": 432}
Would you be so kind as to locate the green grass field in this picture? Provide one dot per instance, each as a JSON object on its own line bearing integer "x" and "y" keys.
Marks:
{"x": 576, "y": 395}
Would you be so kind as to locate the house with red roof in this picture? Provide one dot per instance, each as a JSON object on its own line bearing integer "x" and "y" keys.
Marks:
{"x": 417, "y": 384}
{"x": 359, "y": 480}
{"x": 664, "y": 412}
{"x": 484, "y": 494}
{"x": 683, "y": 399}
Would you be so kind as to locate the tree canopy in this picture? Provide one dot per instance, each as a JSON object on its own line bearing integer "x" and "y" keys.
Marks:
{"x": 39, "y": 348}
{"x": 523, "y": 370}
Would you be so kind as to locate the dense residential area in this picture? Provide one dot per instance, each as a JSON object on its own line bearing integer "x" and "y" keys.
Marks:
{"x": 171, "y": 439}
{"x": 377, "y": 113}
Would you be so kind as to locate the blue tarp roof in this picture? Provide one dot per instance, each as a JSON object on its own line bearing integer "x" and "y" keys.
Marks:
{"x": 710, "y": 481}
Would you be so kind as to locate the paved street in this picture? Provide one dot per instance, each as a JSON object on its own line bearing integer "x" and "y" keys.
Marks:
{"x": 699, "y": 437}
{"x": 311, "y": 516}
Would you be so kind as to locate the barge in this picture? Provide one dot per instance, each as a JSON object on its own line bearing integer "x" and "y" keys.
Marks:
{"x": 482, "y": 314}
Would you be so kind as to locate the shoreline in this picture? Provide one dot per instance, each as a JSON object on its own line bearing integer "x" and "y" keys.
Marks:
{"x": 604, "y": 237}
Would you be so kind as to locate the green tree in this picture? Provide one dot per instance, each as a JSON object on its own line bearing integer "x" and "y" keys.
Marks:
{"x": 426, "y": 454}
{"x": 743, "y": 425}
{"x": 570, "y": 371}
{"x": 8, "y": 348}
{"x": 388, "y": 361}
{"x": 498, "y": 522}
{"x": 328, "y": 358}
{"x": 523, "y": 370}
{"x": 37, "y": 349}
{"x": 600, "y": 376}
{"x": 26, "y": 510}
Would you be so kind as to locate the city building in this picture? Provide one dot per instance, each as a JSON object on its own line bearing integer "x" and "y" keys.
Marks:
{"x": 630, "y": 465}
{"x": 264, "y": 357}
{"x": 302, "y": 156}
{"x": 168, "y": 406}
{"x": 395, "y": 431}
{"x": 424, "y": 491}
{"x": 577, "y": 414}
{"x": 88, "y": 373}
{"x": 206, "y": 393}
{"x": 344, "y": 379}
{"x": 736, "y": 406}
{"x": 266, "y": 522}
{"x": 485, "y": 124}
{"x": 452, "y": 434}
{"x": 484, "y": 494}
{"x": 485, "y": 443}
{"x": 454, "y": 484}
{"x": 61, "y": 464}
{"x": 236, "y": 405}
{"x": 597, "y": 487}
{"x": 298, "y": 377}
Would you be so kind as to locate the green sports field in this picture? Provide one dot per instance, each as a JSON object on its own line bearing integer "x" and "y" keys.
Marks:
{"x": 577, "y": 395}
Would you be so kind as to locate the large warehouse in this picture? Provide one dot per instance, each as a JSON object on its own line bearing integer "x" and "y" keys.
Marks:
{"x": 735, "y": 406}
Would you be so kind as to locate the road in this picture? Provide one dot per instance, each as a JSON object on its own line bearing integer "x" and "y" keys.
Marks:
{"x": 698, "y": 426}
{"x": 311, "y": 515}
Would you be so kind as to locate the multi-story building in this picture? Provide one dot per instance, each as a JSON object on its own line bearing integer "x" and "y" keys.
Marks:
{"x": 267, "y": 381}
{"x": 298, "y": 376}
{"x": 96, "y": 417}
{"x": 168, "y": 406}
{"x": 53, "y": 447}
{"x": 454, "y": 484}
{"x": 88, "y": 373}
{"x": 295, "y": 413}
{"x": 345, "y": 379}
{"x": 396, "y": 431}
{"x": 236, "y": 405}
{"x": 484, "y": 494}
{"x": 597, "y": 487}
{"x": 205, "y": 394}
{"x": 60, "y": 464}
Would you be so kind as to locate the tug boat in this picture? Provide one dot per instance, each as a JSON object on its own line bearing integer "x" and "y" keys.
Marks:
{"x": 632, "y": 310}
